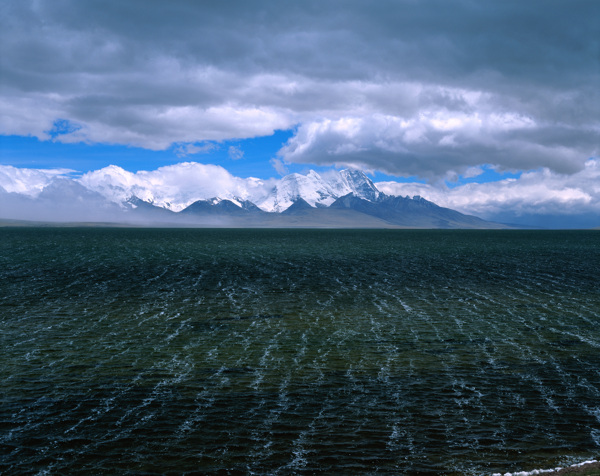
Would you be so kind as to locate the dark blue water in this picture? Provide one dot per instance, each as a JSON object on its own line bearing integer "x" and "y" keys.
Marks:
{"x": 297, "y": 351}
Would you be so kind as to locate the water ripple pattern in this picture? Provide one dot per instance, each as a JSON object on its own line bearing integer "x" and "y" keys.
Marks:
{"x": 297, "y": 351}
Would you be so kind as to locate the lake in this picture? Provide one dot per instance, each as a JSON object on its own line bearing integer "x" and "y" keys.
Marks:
{"x": 298, "y": 351}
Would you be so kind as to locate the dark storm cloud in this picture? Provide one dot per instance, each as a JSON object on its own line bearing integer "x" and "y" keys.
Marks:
{"x": 455, "y": 84}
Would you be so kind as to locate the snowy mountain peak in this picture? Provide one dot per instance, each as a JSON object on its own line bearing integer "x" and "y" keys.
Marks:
{"x": 178, "y": 186}
{"x": 318, "y": 191}
{"x": 360, "y": 184}
{"x": 311, "y": 188}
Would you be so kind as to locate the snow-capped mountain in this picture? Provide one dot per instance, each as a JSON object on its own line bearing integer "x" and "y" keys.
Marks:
{"x": 317, "y": 191}
{"x": 358, "y": 184}
{"x": 173, "y": 187}
{"x": 311, "y": 188}
{"x": 179, "y": 186}
{"x": 219, "y": 205}
{"x": 193, "y": 194}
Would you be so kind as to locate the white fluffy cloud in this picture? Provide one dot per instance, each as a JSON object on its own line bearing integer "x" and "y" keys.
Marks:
{"x": 29, "y": 182}
{"x": 537, "y": 193}
{"x": 430, "y": 143}
{"x": 173, "y": 186}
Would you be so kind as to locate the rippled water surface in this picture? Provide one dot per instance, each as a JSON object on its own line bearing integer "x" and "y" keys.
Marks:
{"x": 297, "y": 351}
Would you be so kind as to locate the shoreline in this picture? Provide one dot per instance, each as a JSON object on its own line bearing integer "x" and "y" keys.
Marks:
{"x": 585, "y": 468}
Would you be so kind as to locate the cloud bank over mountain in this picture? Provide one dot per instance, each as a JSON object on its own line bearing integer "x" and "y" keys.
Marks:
{"x": 540, "y": 198}
{"x": 408, "y": 88}
{"x": 173, "y": 187}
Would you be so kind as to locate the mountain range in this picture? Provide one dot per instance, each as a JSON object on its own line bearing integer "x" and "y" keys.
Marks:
{"x": 347, "y": 198}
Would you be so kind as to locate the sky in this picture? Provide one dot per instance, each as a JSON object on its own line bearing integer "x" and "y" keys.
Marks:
{"x": 489, "y": 107}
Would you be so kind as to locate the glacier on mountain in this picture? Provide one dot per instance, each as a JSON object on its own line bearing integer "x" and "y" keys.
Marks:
{"x": 317, "y": 191}
{"x": 177, "y": 187}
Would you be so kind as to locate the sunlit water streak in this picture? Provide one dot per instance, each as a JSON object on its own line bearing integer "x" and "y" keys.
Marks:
{"x": 274, "y": 351}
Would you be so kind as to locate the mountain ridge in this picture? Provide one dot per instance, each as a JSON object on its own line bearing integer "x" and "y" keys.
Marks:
{"x": 347, "y": 198}
{"x": 320, "y": 205}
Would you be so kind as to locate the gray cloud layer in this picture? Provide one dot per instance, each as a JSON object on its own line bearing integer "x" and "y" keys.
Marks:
{"x": 407, "y": 87}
